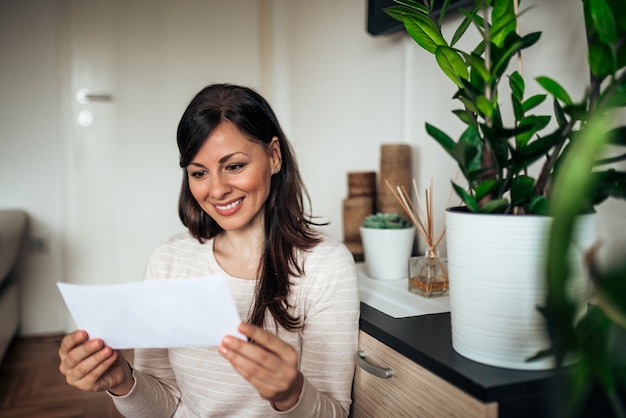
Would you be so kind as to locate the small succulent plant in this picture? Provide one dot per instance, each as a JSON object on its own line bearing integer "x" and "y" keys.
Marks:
{"x": 386, "y": 221}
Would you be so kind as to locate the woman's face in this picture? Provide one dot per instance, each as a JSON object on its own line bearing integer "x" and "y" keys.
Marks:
{"x": 230, "y": 177}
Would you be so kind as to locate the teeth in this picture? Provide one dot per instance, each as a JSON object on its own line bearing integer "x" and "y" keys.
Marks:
{"x": 229, "y": 206}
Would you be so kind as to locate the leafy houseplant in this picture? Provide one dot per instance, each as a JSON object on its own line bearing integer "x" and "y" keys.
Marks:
{"x": 495, "y": 158}
{"x": 606, "y": 319}
{"x": 387, "y": 245}
{"x": 386, "y": 221}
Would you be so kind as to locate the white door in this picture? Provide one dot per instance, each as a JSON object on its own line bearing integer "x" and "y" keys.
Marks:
{"x": 142, "y": 61}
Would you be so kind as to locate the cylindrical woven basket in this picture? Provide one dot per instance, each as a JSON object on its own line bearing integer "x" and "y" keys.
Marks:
{"x": 355, "y": 209}
{"x": 395, "y": 168}
{"x": 362, "y": 183}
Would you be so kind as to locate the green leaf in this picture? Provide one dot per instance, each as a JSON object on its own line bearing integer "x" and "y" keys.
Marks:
{"x": 611, "y": 288}
{"x": 523, "y": 157}
{"x": 442, "y": 12}
{"x": 452, "y": 64}
{"x": 484, "y": 188}
{"x": 512, "y": 45}
{"x": 609, "y": 183}
{"x": 518, "y": 109}
{"x": 616, "y": 97}
{"x": 503, "y": 21}
{"x": 469, "y": 104}
{"x": 485, "y": 107}
{"x": 617, "y": 136}
{"x": 533, "y": 101}
{"x": 411, "y": 4}
{"x": 465, "y": 116}
{"x": 603, "y": 21}
{"x": 460, "y": 31}
{"x": 467, "y": 198}
{"x": 516, "y": 82}
{"x": 554, "y": 89}
{"x": 539, "y": 205}
{"x": 533, "y": 124}
{"x": 444, "y": 140}
{"x": 424, "y": 32}
{"x": 601, "y": 60}
{"x": 521, "y": 189}
{"x": 468, "y": 151}
{"x": 559, "y": 113}
{"x": 477, "y": 64}
{"x": 495, "y": 206}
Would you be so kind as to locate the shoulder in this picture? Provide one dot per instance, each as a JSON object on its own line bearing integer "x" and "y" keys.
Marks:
{"x": 181, "y": 251}
{"x": 330, "y": 247}
{"x": 180, "y": 242}
{"x": 330, "y": 257}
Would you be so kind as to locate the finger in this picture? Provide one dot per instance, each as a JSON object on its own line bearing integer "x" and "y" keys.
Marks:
{"x": 240, "y": 352}
{"x": 264, "y": 369}
{"x": 269, "y": 341}
{"x": 72, "y": 340}
{"x": 84, "y": 358}
{"x": 80, "y": 352}
{"x": 87, "y": 374}
{"x": 97, "y": 378}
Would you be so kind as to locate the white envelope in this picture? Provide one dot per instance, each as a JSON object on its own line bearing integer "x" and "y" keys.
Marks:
{"x": 155, "y": 313}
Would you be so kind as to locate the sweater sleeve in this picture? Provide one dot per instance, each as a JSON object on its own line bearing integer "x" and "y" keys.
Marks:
{"x": 155, "y": 394}
{"x": 330, "y": 334}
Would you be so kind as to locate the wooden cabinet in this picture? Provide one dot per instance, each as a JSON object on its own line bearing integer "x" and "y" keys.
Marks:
{"x": 409, "y": 390}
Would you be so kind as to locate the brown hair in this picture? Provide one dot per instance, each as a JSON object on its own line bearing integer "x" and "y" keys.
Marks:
{"x": 288, "y": 228}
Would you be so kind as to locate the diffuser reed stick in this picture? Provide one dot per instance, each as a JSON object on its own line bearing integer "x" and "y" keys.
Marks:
{"x": 428, "y": 275}
{"x": 422, "y": 215}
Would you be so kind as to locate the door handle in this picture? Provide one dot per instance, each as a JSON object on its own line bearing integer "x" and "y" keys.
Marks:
{"x": 84, "y": 96}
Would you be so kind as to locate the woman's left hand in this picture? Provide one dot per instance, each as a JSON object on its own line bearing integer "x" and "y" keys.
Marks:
{"x": 268, "y": 363}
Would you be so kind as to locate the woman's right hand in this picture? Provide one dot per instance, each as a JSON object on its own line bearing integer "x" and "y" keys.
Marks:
{"x": 91, "y": 365}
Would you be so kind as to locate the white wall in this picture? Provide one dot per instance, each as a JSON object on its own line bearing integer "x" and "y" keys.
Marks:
{"x": 31, "y": 155}
{"x": 104, "y": 196}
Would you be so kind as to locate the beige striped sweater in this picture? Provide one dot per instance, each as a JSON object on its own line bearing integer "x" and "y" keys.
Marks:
{"x": 198, "y": 382}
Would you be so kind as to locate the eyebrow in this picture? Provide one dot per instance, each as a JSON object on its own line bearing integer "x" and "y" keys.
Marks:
{"x": 221, "y": 161}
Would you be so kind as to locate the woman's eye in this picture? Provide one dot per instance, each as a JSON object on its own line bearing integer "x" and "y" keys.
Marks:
{"x": 234, "y": 167}
{"x": 198, "y": 174}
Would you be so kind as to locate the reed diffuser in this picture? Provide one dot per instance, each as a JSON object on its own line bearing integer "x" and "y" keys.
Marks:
{"x": 428, "y": 274}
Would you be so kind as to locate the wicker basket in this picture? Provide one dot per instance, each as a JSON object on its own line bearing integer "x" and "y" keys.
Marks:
{"x": 355, "y": 209}
{"x": 362, "y": 183}
{"x": 395, "y": 167}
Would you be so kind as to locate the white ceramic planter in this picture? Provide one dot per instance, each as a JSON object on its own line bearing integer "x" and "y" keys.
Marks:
{"x": 387, "y": 251}
{"x": 496, "y": 268}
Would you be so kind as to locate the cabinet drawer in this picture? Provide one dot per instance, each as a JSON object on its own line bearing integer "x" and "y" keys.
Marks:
{"x": 411, "y": 391}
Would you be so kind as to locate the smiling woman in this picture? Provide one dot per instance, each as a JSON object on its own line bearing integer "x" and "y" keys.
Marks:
{"x": 230, "y": 175}
{"x": 243, "y": 202}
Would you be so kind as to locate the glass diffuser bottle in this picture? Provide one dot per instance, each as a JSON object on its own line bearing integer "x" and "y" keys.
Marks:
{"x": 428, "y": 275}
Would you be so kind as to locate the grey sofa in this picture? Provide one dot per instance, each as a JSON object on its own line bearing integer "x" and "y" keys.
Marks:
{"x": 12, "y": 236}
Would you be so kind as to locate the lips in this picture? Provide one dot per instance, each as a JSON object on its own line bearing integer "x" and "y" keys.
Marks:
{"x": 228, "y": 208}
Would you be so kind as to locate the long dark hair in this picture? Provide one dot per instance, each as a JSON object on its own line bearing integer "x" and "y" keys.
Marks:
{"x": 288, "y": 228}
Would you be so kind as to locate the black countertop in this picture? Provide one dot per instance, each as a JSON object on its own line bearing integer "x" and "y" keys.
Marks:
{"x": 427, "y": 340}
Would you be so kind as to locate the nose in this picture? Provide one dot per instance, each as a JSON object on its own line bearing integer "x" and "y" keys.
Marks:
{"x": 219, "y": 187}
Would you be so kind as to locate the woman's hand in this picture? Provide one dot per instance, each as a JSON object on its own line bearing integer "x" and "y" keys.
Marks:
{"x": 268, "y": 363}
{"x": 91, "y": 365}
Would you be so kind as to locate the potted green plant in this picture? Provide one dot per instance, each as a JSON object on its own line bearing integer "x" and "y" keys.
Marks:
{"x": 497, "y": 157}
{"x": 387, "y": 245}
{"x": 600, "y": 334}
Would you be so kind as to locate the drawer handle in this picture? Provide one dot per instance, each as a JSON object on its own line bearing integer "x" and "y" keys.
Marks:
{"x": 382, "y": 372}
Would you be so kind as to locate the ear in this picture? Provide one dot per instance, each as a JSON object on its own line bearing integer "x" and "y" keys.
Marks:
{"x": 275, "y": 155}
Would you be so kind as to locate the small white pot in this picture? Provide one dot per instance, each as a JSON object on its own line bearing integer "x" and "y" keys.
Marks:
{"x": 387, "y": 252}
